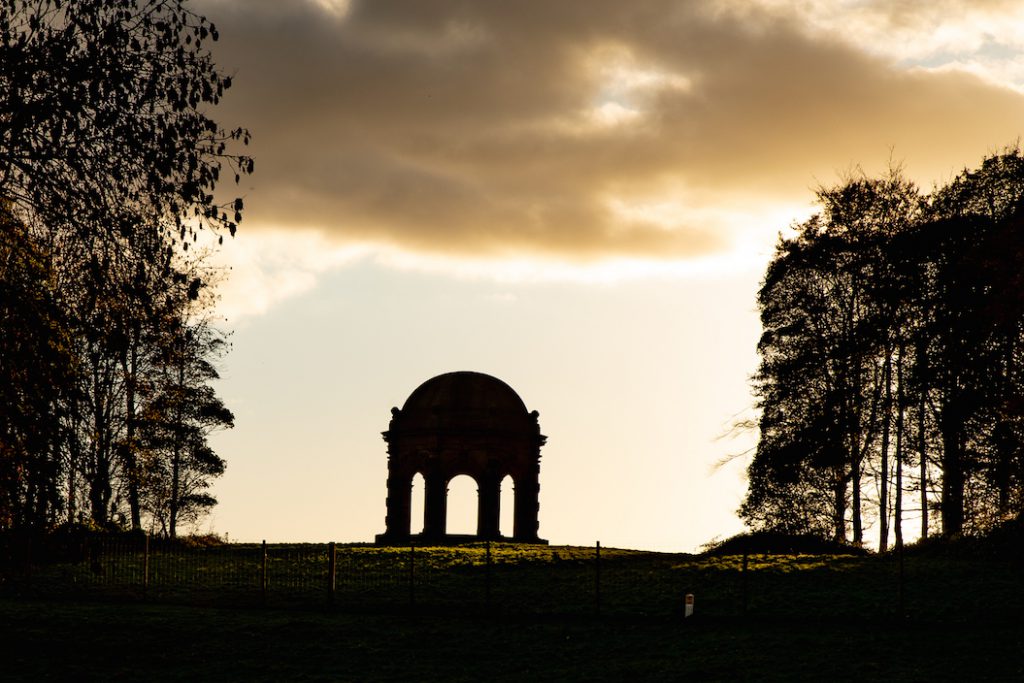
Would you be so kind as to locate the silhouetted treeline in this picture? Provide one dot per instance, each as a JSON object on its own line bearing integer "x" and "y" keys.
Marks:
{"x": 108, "y": 166}
{"x": 891, "y": 384}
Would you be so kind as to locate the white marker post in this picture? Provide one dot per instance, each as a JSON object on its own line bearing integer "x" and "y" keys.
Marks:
{"x": 688, "y": 611}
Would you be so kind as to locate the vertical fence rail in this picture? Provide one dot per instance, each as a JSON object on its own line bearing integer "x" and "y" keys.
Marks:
{"x": 412, "y": 575}
{"x": 263, "y": 573}
{"x": 145, "y": 567}
{"x": 745, "y": 582}
{"x": 902, "y": 596}
{"x": 332, "y": 567}
{"x": 28, "y": 562}
{"x": 487, "y": 579}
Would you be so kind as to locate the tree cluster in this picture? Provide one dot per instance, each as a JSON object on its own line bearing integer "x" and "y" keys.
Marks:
{"x": 891, "y": 382}
{"x": 108, "y": 171}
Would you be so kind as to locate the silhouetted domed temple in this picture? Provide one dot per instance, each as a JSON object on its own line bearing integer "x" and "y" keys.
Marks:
{"x": 463, "y": 400}
{"x": 463, "y": 423}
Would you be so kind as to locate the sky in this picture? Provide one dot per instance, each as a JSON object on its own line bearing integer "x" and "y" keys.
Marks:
{"x": 578, "y": 197}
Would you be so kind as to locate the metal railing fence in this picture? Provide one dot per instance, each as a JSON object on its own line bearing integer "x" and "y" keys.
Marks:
{"x": 499, "y": 579}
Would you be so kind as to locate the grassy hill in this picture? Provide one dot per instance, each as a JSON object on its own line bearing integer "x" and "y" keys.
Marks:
{"x": 527, "y": 613}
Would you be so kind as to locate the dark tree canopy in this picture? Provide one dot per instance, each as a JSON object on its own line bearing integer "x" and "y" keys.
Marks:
{"x": 109, "y": 168}
{"x": 892, "y": 360}
{"x": 103, "y": 127}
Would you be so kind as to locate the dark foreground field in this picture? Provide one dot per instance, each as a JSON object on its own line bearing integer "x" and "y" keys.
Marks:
{"x": 102, "y": 641}
{"x": 514, "y": 613}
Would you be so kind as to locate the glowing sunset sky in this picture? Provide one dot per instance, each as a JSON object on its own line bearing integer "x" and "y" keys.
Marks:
{"x": 576, "y": 197}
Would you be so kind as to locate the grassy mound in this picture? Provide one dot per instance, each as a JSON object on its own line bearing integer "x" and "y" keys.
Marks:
{"x": 773, "y": 543}
{"x": 1005, "y": 542}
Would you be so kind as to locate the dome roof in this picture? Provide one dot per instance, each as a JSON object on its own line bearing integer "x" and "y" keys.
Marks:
{"x": 463, "y": 400}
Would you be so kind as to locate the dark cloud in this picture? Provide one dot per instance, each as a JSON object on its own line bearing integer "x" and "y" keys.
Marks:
{"x": 490, "y": 127}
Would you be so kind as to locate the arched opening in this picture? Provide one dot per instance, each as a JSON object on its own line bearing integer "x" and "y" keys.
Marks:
{"x": 508, "y": 507}
{"x": 416, "y": 510}
{"x": 462, "y": 505}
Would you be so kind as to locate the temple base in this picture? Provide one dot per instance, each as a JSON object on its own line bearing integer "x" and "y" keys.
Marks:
{"x": 424, "y": 540}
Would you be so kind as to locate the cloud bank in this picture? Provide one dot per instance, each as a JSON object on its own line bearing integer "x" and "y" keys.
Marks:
{"x": 592, "y": 129}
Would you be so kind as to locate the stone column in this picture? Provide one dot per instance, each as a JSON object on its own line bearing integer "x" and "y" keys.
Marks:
{"x": 399, "y": 503}
{"x": 488, "y": 518}
{"x": 527, "y": 506}
{"x": 435, "y": 504}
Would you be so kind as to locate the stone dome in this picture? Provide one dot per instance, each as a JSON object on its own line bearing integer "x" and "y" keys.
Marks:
{"x": 463, "y": 400}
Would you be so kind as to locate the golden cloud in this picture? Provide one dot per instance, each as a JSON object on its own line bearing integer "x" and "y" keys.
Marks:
{"x": 553, "y": 128}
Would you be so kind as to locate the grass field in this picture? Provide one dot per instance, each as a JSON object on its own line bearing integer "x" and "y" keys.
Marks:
{"x": 514, "y": 580}
{"x": 90, "y": 641}
{"x": 789, "y": 617}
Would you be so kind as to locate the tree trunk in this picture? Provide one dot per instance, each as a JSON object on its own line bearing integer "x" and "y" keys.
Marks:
{"x": 175, "y": 475}
{"x": 1004, "y": 444}
{"x": 952, "y": 503}
{"x": 839, "y": 491}
{"x": 855, "y": 468}
{"x": 129, "y": 363}
{"x": 900, "y": 409}
{"x": 922, "y": 448}
{"x": 176, "y": 455}
{"x": 56, "y": 465}
{"x": 883, "y": 489}
{"x": 72, "y": 464}
{"x": 858, "y": 528}
{"x": 99, "y": 485}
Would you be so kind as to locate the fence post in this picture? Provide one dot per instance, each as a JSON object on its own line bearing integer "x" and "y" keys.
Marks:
{"x": 263, "y": 574}
{"x": 332, "y": 564}
{"x": 145, "y": 566}
{"x": 412, "y": 574}
{"x": 28, "y": 561}
{"x": 597, "y": 577}
{"x": 745, "y": 589}
{"x": 487, "y": 579}
{"x": 902, "y": 585}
